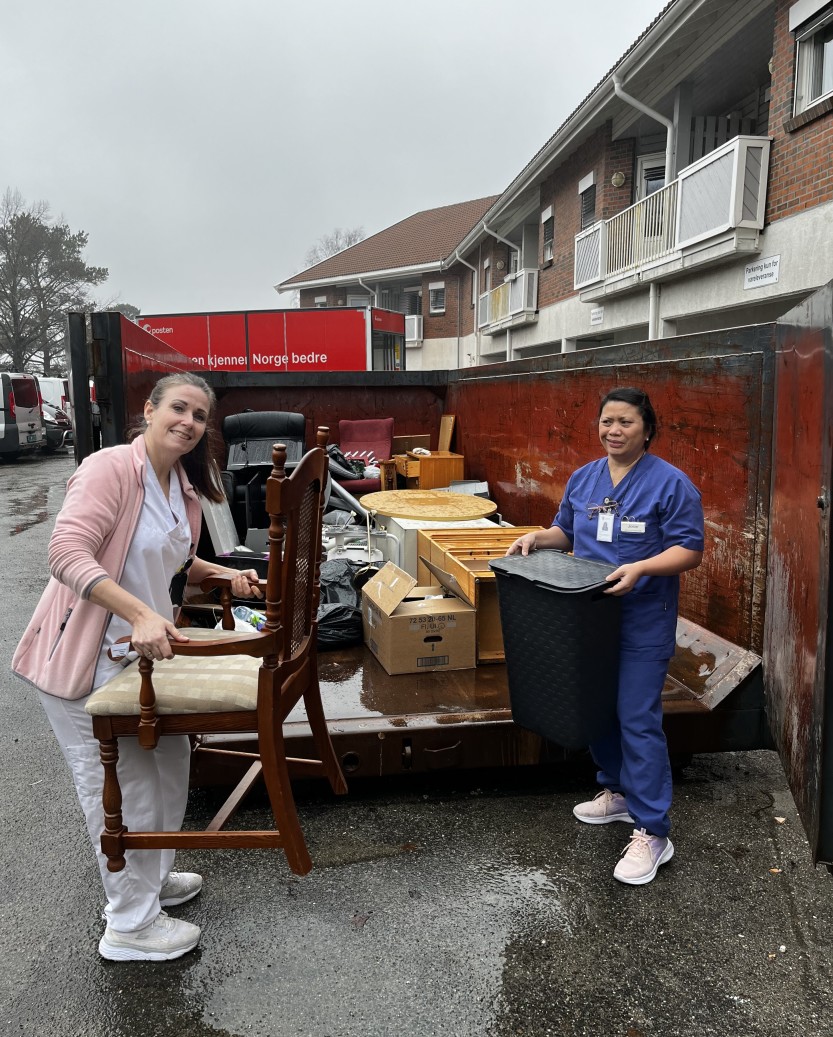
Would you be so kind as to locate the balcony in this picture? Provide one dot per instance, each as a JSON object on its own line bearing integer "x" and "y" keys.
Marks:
{"x": 512, "y": 303}
{"x": 711, "y": 212}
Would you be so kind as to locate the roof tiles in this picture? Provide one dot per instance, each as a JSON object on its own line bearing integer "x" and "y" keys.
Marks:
{"x": 425, "y": 237}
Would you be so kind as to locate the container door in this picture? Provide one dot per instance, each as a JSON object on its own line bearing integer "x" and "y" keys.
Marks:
{"x": 797, "y": 634}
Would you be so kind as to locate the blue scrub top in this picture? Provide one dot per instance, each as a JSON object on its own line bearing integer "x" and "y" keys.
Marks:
{"x": 663, "y": 498}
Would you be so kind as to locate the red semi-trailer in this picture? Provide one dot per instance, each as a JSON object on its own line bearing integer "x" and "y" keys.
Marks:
{"x": 328, "y": 339}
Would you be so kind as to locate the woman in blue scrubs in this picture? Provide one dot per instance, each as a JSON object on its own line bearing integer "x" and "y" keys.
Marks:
{"x": 643, "y": 515}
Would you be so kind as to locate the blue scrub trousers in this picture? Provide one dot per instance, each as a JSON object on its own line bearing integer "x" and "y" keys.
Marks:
{"x": 633, "y": 758}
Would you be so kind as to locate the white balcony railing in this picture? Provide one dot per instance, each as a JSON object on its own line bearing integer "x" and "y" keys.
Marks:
{"x": 644, "y": 232}
{"x": 413, "y": 327}
{"x": 723, "y": 191}
{"x": 511, "y": 300}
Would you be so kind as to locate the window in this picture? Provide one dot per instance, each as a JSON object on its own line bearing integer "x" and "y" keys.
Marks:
{"x": 436, "y": 297}
{"x": 814, "y": 60}
{"x": 487, "y": 276}
{"x": 320, "y": 301}
{"x": 588, "y": 207}
{"x": 548, "y": 224}
{"x": 514, "y": 262}
{"x": 650, "y": 174}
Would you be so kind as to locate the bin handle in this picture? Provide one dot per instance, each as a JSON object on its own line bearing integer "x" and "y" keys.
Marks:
{"x": 596, "y": 589}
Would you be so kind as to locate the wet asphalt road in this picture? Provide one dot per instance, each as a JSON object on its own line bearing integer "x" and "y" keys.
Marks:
{"x": 465, "y": 906}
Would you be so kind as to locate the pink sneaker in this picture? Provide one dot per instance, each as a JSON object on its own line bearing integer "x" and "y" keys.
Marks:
{"x": 642, "y": 857}
{"x": 606, "y": 807}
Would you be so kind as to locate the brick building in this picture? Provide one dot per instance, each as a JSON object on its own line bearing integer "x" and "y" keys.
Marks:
{"x": 690, "y": 191}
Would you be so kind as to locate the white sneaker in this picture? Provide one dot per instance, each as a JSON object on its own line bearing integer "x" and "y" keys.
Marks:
{"x": 606, "y": 807}
{"x": 180, "y": 887}
{"x": 165, "y": 938}
{"x": 642, "y": 857}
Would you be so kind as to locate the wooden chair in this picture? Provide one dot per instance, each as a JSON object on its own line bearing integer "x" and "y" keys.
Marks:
{"x": 236, "y": 682}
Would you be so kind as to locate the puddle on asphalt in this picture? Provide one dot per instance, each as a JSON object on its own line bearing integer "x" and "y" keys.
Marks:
{"x": 340, "y": 929}
{"x": 35, "y": 520}
{"x": 33, "y": 506}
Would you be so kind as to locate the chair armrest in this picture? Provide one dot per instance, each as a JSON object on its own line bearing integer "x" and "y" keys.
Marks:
{"x": 212, "y": 582}
{"x": 258, "y": 642}
{"x": 224, "y": 584}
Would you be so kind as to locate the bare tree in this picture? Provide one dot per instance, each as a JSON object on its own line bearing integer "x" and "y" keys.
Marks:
{"x": 128, "y": 309}
{"x": 328, "y": 244}
{"x": 43, "y": 274}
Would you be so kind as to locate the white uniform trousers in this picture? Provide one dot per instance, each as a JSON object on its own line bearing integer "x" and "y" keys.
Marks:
{"x": 154, "y": 785}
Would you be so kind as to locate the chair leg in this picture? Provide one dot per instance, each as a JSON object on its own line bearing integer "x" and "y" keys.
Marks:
{"x": 276, "y": 776}
{"x": 321, "y": 735}
{"x": 112, "y": 838}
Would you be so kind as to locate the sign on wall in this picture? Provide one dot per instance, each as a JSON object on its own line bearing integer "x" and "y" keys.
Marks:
{"x": 761, "y": 272}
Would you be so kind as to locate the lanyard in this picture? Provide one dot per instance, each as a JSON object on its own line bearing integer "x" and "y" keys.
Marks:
{"x": 609, "y": 506}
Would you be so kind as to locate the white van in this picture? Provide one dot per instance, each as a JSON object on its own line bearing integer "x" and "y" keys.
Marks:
{"x": 54, "y": 391}
{"x": 21, "y": 418}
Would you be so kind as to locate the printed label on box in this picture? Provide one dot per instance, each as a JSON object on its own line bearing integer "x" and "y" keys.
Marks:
{"x": 434, "y": 623}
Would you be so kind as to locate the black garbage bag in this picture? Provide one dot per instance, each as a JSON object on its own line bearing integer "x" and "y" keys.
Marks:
{"x": 339, "y": 611}
{"x": 339, "y": 626}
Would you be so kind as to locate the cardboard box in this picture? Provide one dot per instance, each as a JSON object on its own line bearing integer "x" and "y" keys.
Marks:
{"x": 414, "y": 629}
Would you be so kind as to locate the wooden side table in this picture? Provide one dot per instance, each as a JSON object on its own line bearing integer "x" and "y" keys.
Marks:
{"x": 426, "y": 471}
{"x": 428, "y": 504}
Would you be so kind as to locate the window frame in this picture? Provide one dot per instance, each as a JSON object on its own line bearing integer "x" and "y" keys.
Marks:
{"x": 806, "y": 61}
{"x": 435, "y": 290}
{"x": 548, "y": 228}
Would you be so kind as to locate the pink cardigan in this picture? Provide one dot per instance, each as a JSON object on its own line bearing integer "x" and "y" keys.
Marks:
{"x": 93, "y": 532}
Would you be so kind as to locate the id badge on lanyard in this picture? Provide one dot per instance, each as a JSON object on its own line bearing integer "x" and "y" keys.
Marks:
{"x": 604, "y": 528}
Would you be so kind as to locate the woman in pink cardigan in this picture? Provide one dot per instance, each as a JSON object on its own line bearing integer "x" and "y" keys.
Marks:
{"x": 128, "y": 526}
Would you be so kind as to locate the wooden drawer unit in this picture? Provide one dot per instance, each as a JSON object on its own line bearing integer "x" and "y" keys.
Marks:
{"x": 465, "y": 554}
{"x": 407, "y": 467}
{"x": 426, "y": 471}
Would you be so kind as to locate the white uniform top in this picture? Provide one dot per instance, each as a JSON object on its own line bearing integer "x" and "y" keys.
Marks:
{"x": 160, "y": 546}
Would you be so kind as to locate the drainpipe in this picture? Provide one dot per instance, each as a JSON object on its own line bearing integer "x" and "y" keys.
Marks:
{"x": 514, "y": 248}
{"x": 474, "y": 270}
{"x": 653, "y": 310}
{"x": 667, "y": 123}
{"x": 372, "y": 294}
{"x": 506, "y": 241}
{"x": 653, "y": 293}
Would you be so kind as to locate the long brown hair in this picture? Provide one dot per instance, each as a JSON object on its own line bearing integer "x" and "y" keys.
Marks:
{"x": 198, "y": 463}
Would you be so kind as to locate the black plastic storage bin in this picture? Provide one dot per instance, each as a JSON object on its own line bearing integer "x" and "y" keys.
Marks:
{"x": 561, "y": 638}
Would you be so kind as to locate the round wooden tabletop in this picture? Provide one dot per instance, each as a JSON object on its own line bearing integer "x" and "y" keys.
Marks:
{"x": 428, "y": 504}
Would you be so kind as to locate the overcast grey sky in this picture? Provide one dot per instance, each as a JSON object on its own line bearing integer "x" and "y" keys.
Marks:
{"x": 205, "y": 145}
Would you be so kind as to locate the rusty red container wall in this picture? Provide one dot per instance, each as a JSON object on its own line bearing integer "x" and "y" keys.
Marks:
{"x": 414, "y": 408}
{"x": 797, "y": 629}
{"x": 525, "y": 433}
{"x": 523, "y": 427}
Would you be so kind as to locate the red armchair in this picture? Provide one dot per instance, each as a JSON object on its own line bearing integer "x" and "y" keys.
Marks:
{"x": 370, "y": 439}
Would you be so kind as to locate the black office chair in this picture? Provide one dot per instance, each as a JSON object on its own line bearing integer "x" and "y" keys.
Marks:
{"x": 249, "y": 437}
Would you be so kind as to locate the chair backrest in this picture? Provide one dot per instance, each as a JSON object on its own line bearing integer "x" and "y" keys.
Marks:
{"x": 251, "y": 435}
{"x": 295, "y": 505}
{"x": 367, "y": 436}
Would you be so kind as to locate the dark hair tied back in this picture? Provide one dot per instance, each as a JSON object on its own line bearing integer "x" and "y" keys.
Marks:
{"x": 639, "y": 399}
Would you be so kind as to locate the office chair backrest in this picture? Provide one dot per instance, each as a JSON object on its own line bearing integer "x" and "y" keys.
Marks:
{"x": 250, "y": 436}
